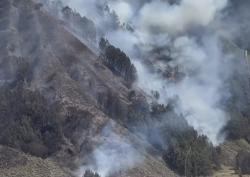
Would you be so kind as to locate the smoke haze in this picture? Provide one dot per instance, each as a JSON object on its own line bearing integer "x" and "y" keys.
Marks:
{"x": 187, "y": 32}
{"x": 199, "y": 57}
{"x": 180, "y": 17}
{"x": 113, "y": 154}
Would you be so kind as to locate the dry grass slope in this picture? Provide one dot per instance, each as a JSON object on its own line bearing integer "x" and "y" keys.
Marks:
{"x": 17, "y": 164}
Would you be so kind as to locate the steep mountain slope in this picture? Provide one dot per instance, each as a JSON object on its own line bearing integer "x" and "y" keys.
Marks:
{"x": 44, "y": 66}
{"x": 14, "y": 164}
{"x": 73, "y": 110}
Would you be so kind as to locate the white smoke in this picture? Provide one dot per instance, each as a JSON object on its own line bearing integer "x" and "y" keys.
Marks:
{"x": 86, "y": 8}
{"x": 157, "y": 23}
{"x": 163, "y": 17}
{"x": 115, "y": 153}
{"x": 200, "y": 58}
{"x": 201, "y": 91}
{"x": 123, "y": 10}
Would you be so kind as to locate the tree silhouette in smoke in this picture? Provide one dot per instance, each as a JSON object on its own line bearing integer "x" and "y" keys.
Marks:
{"x": 89, "y": 173}
{"x": 117, "y": 61}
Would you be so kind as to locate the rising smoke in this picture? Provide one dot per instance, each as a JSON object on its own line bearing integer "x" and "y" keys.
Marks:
{"x": 187, "y": 31}
{"x": 180, "y": 17}
{"x": 196, "y": 51}
{"x": 113, "y": 154}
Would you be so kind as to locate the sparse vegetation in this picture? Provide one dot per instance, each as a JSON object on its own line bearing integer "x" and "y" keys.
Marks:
{"x": 84, "y": 27}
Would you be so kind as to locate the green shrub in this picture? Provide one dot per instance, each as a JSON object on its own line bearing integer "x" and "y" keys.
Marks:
{"x": 29, "y": 122}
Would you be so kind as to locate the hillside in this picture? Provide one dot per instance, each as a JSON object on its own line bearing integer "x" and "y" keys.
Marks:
{"x": 78, "y": 93}
{"x": 42, "y": 64}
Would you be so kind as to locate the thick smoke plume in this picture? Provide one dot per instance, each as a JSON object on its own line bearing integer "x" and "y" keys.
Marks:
{"x": 178, "y": 17}
{"x": 203, "y": 89}
{"x": 185, "y": 31}
{"x": 159, "y": 24}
